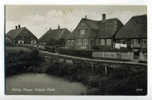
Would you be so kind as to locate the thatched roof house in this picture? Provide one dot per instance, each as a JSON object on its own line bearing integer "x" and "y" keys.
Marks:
{"x": 90, "y": 33}
{"x": 21, "y": 35}
{"x": 135, "y": 28}
{"x": 52, "y": 36}
{"x": 134, "y": 32}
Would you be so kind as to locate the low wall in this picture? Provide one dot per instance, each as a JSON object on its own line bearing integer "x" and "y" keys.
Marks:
{"x": 113, "y": 55}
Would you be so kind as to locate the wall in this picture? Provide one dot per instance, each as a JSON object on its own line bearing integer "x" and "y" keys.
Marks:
{"x": 113, "y": 55}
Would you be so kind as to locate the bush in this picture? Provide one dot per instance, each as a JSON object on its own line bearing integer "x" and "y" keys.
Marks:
{"x": 20, "y": 60}
{"x": 72, "y": 52}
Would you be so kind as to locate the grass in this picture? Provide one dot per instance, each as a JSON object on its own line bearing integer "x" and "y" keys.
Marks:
{"x": 123, "y": 80}
{"x": 17, "y": 49}
{"x": 21, "y": 60}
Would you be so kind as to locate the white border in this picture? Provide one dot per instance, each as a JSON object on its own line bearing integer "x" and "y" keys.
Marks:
{"x": 76, "y": 2}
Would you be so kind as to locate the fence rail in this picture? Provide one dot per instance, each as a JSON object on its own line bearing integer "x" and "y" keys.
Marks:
{"x": 92, "y": 60}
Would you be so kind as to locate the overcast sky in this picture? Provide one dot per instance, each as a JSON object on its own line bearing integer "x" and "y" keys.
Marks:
{"x": 38, "y": 19}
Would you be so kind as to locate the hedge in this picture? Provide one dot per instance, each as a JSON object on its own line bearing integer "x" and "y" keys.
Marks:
{"x": 72, "y": 52}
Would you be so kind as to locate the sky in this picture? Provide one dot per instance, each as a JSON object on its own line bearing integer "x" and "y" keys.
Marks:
{"x": 40, "y": 18}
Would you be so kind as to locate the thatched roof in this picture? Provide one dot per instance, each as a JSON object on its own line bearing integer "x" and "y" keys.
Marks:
{"x": 109, "y": 28}
{"x": 55, "y": 34}
{"x": 94, "y": 25}
{"x": 12, "y": 34}
{"x": 136, "y": 27}
{"x": 102, "y": 28}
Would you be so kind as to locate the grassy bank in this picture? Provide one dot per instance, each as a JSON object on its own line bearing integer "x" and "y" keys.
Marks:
{"x": 20, "y": 60}
{"x": 127, "y": 80}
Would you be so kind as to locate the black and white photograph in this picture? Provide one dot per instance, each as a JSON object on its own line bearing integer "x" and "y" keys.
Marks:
{"x": 75, "y": 50}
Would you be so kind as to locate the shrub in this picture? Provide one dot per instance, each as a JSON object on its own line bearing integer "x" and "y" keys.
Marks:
{"x": 72, "y": 52}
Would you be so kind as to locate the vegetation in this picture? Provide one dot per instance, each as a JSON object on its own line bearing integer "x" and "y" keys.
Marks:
{"x": 127, "y": 80}
{"x": 20, "y": 59}
{"x": 119, "y": 80}
{"x": 79, "y": 53}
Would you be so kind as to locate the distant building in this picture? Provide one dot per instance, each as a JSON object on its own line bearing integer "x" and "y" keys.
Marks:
{"x": 55, "y": 36}
{"x": 21, "y": 35}
{"x": 90, "y": 34}
{"x": 134, "y": 33}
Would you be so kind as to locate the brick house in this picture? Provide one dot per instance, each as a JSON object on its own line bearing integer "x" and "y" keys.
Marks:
{"x": 21, "y": 35}
{"x": 90, "y": 34}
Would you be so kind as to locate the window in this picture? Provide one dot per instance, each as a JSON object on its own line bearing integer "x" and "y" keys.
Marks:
{"x": 108, "y": 42}
{"x": 68, "y": 43}
{"x": 102, "y": 42}
{"x": 85, "y": 42}
{"x": 33, "y": 41}
{"x": 82, "y": 31}
{"x": 136, "y": 41}
{"x": 144, "y": 43}
{"x": 20, "y": 42}
{"x": 72, "y": 42}
{"x": 79, "y": 42}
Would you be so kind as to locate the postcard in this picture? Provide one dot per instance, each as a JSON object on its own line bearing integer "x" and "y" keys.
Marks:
{"x": 76, "y": 50}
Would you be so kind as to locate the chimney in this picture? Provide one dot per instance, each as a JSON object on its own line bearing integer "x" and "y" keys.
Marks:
{"x": 15, "y": 27}
{"x": 19, "y": 26}
{"x": 104, "y": 16}
{"x": 58, "y": 26}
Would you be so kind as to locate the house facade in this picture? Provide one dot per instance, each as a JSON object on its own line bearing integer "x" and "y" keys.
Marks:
{"x": 84, "y": 35}
{"x": 21, "y": 35}
{"x": 69, "y": 41}
{"x": 90, "y": 34}
{"x": 134, "y": 33}
{"x": 107, "y": 31}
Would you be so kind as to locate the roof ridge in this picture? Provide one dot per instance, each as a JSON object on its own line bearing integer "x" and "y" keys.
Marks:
{"x": 101, "y": 20}
{"x": 91, "y": 20}
{"x": 58, "y": 29}
{"x": 139, "y": 15}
